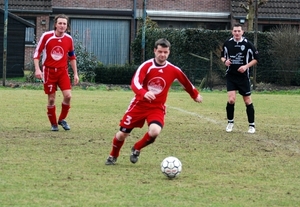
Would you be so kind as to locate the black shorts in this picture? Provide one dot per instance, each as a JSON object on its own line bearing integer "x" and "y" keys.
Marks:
{"x": 239, "y": 83}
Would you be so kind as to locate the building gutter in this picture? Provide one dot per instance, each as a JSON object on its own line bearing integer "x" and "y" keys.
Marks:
{"x": 188, "y": 16}
{"x": 272, "y": 18}
{"x": 84, "y": 11}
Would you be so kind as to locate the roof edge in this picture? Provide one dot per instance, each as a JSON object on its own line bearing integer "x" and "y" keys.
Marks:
{"x": 108, "y": 12}
{"x": 19, "y": 19}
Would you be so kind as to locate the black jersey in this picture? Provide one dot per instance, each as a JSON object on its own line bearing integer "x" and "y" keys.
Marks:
{"x": 240, "y": 53}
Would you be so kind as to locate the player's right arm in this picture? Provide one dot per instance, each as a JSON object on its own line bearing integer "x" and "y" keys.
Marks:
{"x": 36, "y": 58}
{"x": 199, "y": 99}
{"x": 38, "y": 73}
{"x": 137, "y": 81}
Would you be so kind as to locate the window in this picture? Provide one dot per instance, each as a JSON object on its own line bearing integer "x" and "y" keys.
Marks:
{"x": 30, "y": 32}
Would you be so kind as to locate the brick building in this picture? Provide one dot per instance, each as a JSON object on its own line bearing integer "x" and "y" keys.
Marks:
{"x": 107, "y": 27}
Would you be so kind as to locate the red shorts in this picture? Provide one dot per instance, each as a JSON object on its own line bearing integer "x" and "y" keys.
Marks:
{"x": 53, "y": 77}
{"x": 136, "y": 116}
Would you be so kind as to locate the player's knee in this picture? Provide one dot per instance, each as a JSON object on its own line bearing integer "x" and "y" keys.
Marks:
{"x": 67, "y": 97}
{"x": 51, "y": 101}
{"x": 121, "y": 135}
{"x": 154, "y": 131}
{"x": 231, "y": 100}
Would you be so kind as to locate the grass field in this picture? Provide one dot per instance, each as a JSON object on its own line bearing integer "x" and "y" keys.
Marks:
{"x": 66, "y": 168}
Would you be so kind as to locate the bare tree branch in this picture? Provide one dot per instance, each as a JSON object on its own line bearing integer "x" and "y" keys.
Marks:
{"x": 246, "y": 8}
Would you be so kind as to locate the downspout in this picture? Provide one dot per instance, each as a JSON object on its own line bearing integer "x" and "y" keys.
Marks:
{"x": 144, "y": 31}
{"x": 5, "y": 42}
{"x": 134, "y": 18}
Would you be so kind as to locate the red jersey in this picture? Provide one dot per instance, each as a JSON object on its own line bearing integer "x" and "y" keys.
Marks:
{"x": 158, "y": 79}
{"x": 56, "y": 50}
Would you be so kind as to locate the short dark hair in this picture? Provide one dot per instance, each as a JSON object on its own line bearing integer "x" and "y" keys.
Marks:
{"x": 162, "y": 42}
{"x": 237, "y": 25}
{"x": 63, "y": 16}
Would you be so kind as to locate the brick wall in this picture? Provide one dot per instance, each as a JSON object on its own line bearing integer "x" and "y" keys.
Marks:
{"x": 40, "y": 29}
{"x": 29, "y": 50}
{"x": 170, "y": 5}
{"x": 95, "y": 4}
{"x": 178, "y": 5}
{"x": 190, "y": 5}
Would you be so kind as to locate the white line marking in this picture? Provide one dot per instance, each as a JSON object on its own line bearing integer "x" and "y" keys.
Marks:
{"x": 276, "y": 143}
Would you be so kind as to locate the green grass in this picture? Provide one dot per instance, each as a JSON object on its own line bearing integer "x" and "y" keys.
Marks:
{"x": 66, "y": 168}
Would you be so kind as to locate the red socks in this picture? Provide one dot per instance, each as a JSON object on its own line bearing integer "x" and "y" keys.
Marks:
{"x": 146, "y": 140}
{"x": 52, "y": 114}
{"x": 116, "y": 147}
{"x": 64, "y": 111}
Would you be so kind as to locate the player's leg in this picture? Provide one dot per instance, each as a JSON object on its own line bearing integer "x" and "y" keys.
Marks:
{"x": 250, "y": 113}
{"x": 230, "y": 110}
{"x": 150, "y": 136}
{"x": 231, "y": 94}
{"x": 65, "y": 86}
{"x": 117, "y": 144}
{"x": 65, "y": 107}
{"x": 155, "y": 120}
{"x": 245, "y": 91}
{"x": 50, "y": 89}
{"x": 51, "y": 111}
{"x": 131, "y": 119}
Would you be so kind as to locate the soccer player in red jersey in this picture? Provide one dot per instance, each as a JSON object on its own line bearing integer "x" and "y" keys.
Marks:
{"x": 56, "y": 48}
{"x": 150, "y": 84}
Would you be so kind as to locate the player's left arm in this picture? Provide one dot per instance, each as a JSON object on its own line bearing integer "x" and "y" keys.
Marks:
{"x": 188, "y": 86}
{"x": 73, "y": 64}
{"x": 73, "y": 61}
{"x": 254, "y": 55}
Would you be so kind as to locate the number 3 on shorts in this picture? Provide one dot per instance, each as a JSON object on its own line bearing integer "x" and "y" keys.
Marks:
{"x": 128, "y": 120}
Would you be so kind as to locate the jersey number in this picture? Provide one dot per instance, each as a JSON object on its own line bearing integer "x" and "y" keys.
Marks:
{"x": 128, "y": 120}
{"x": 50, "y": 87}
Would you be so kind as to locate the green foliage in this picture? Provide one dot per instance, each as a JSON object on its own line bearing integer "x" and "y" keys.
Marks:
{"x": 286, "y": 49}
{"x": 184, "y": 42}
{"x": 30, "y": 74}
{"x": 86, "y": 64}
{"x": 86, "y": 61}
{"x": 202, "y": 42}
{"x": 115, "y": 74}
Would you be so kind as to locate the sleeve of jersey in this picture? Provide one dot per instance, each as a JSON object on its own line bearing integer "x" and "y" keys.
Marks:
{"x": 72, "y": 55}
{"x": 187, "y": 85}
{"x": 256, "y": 54}
{"x": 39, "y": 48}
{"x": 223, "y": 52}
{"x": 71, "y": 52}
{"x": 136, "y": 82}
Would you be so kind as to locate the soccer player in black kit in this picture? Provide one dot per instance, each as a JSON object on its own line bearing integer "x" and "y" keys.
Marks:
{"x": 239, "y": 54}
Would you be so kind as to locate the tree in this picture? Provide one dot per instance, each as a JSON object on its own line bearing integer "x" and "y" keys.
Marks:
{"x": 250, "y": 8}
{"x": 285, "y": 47}
{"x": 86, "y": 61}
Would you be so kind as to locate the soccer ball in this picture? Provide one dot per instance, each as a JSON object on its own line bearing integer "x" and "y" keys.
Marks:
{"x": 171, "y": 167}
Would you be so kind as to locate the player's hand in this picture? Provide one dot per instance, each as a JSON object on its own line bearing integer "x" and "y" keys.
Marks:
{"x": 199, "y": 99}
{"x": 227, "y": 62}
{"x": 76, "y": 79}
{"x": 149, "y": 96}
{"x": 38, "y": 74}
{"x": 242, "y": 69}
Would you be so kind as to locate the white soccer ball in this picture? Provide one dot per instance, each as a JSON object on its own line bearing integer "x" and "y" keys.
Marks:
{"x": 171, "y": 167}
